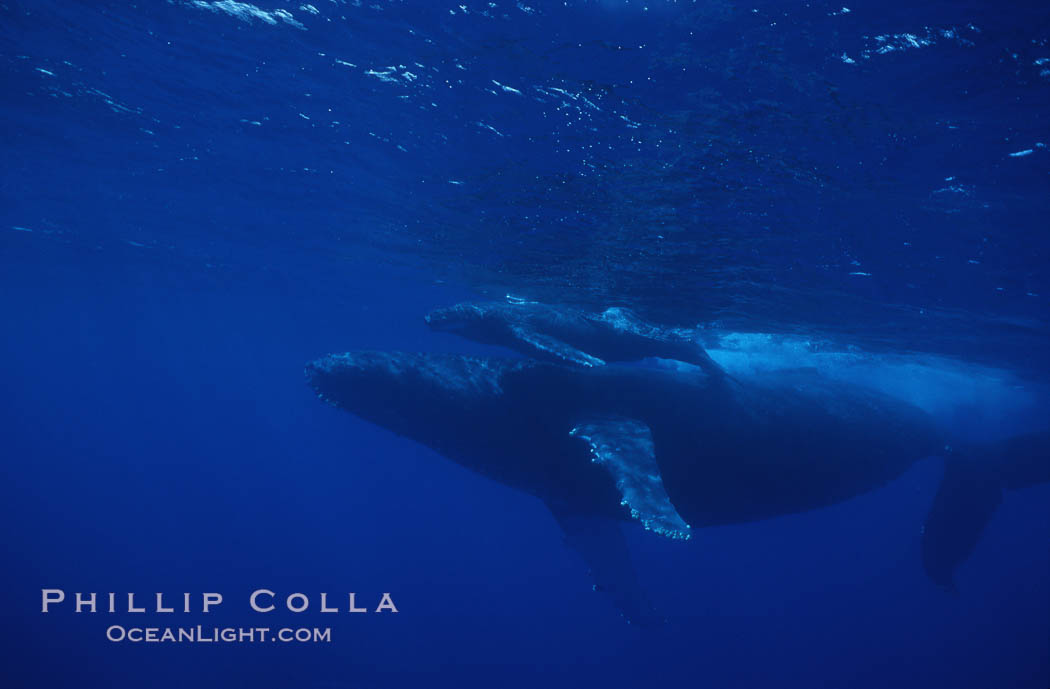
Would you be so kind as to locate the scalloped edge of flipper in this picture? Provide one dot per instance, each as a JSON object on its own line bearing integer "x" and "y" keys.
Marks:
{"x": 624, "y": 448}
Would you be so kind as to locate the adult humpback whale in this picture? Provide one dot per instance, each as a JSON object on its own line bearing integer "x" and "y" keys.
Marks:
{"x": 566, "y": 335}
{"x": 673, "y": 450}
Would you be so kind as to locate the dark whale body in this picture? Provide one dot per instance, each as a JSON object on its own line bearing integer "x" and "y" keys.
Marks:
{"x": 672, "y": 450}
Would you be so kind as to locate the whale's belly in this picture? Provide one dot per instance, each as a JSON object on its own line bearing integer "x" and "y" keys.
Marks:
{"x": 782, "y": 449}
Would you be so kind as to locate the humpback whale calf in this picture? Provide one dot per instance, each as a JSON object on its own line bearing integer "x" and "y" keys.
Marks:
{"x": 566, "y": 335}
{"x": 674, "y": 450}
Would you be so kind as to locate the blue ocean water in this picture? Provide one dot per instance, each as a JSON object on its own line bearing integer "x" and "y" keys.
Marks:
{"x": 197, "y": 198}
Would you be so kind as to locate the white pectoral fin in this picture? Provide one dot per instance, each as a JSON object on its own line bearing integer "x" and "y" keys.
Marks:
{"x": 549, "y": 347}
{"x": 624, "y": 447}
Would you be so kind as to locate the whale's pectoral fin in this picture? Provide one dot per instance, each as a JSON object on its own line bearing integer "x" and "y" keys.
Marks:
{"x": 667, "y": 343}
{"x": 603, "y": 547}
{"x": 547, "y": 347}
{"x": 624, "y": 447}
{"x": 965, "y": 502}
{"x": 971, "y": 490}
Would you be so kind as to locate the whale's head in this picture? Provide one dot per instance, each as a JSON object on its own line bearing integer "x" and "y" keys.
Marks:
{"x": 402, "y": 391}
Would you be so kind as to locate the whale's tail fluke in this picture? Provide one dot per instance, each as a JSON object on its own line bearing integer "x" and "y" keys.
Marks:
{"x": 971, "y": 490}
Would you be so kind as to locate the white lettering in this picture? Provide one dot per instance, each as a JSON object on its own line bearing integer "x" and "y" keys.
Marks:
{"x": 132, "y": 608}
{"x": 255, "y": 596}
{"x": 211, "y": 599}
{"x": 160, "y": 604}
{"x": 48, "y": 596}
{"x": 82, "y": 602}
{"x": 298, "y": 596}
{"x": 386, "y": 604}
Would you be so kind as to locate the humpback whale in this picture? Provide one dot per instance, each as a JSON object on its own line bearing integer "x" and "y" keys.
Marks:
{"x": 566, "y": 335}
{"x": 673, "y": 450}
